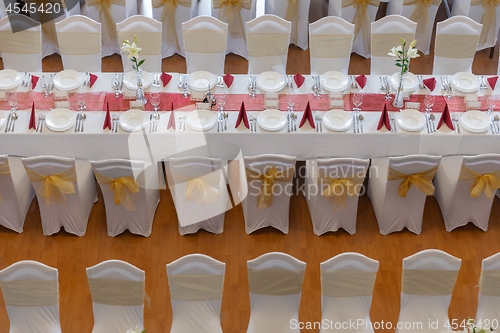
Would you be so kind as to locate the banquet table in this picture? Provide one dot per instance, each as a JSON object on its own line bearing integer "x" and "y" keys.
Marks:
{"x": 306, "y": 143}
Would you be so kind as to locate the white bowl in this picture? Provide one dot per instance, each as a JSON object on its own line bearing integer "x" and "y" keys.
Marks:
{"x": 9, "y": 79}
{"x": 201, "y": 120}
{"x": 465, "y": 82}
{"x": 270, "y": 81}
{"x": 337, "y": 120}
{"x": 334, "y": 81}
{"x": 271, "y": 120}
{"x": 410, "y": 84}
{"x": 133, "y": 120}
{"x": 68, "y": 80}
{"x": 411, "y": 120}
{"x": 199, "y": 81}
{"x": 60, "y": 119}
{"x": 475, "y": 121}
{"x": 130, "y": 80}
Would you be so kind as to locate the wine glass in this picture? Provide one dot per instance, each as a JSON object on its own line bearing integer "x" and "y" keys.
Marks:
{"x": 115, "y": 84}
{"x": 492, "y": 101}
{"x": 81, "y": 101}
{"x": 357, "y": 100}
{"x": 45, "y": 86}
{"x": 221, "y": 100}
{"x": 155, "y": 101}
{"x": 12, "y": 98}
{"x": 291, "y": 99}
{"x": 429, "y": 103}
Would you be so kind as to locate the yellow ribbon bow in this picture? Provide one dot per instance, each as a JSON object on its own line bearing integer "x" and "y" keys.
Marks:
{"x": 230, "y": 12}
{"x": 200, "y": 189}
{"x": 270, "y": 176}
{"x": 489, "y": 19}
{"x": 421, "y": 180}
{"x": 421, "y": 13}
{"x": 338, "y": 189}
{"x": 4, "y": 171}
{"x": 104, "y": 8}
{"x": 488, "y": 183}
{"x": 53, "y": 188}
{"x": 47, "y": 19}
{"x": 123, "y": 189}
{"x": 361, "y": 18}
{"x": 168, "y": 15}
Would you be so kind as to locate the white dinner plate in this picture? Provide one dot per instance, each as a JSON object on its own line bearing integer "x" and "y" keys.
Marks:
{"x": 3, "y": 118}
{"x": 68, "y": 80}
{"x": 270, "y": 81}
{"x": 465, "y": 82}
{"x": 271, "y": 120}
{"x": 334, "y": 81}
{"x": 475, "y": 121}
{"x": 411, "y": 82}
{"x": 337, "y": 120}
{"x": 199, "y": 81}
{"x": 9, "y": 79}
{"x": 130, "y": 80}
{"x": 201, "y": 120}
{"x": 60, "y": 119}
{"x": 411, "y": 120}
{"x": 133, "y": 120}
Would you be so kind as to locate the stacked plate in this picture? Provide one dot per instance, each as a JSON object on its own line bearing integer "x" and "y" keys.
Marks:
{"x": 272, "y": 120}
{"x": 334, "y": 81}
{"x": 201, "y": 120}
{"x": 199, "y": 81}
{"x": 133, "y": 120}
{"x": 475, "y": 121}
{"x": 410, "y": 84}
{"x": 9, "y": 79}
{"x": 68, "y": 80}
{"x": 465, "y": 82}
{"x": 270, "y": 81}
{"x": 411, "y": 120}
{"x": 60, "y": 119}
{"x": 337, "y": 120}
{"x": 130, "y": 80}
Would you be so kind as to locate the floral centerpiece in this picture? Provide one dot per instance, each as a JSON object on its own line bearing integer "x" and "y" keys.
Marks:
{"x": 404, "y": 55}
{"x": 133, "y": 50}
{"x": 135, "y": 330}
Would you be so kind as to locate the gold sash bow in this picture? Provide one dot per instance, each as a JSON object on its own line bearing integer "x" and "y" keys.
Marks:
{"x": 489, "y": 19}
{"x": 47, "y": 19}
{"x": 421, "y": 13}
{"x": 361, "y": 18}
{"x": 421, "y": 180}
{"x": 338, "y": 189}
{"x": 104, "y": 8}
{"x": 53, "y": 188}
{"x": 4, "y": 171}
{"x": 168, "y": 15}
{"x": 230, "y": 12}
{"x": 270, "y": 176}
{"x": 488, "y": 183}
{"x": 123, "y": 189}
{"x": 199, "y": 189}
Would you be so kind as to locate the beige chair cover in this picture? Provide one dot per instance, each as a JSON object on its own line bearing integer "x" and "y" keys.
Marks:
{"x": 196, "y": 287}
{"x": 428, "y": 282}
{"x": 347, "y": 283}
{"x": 27, "y": 293}
{"x": 275, "y": 282}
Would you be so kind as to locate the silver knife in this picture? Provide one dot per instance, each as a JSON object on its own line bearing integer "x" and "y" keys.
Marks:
{"x": 9, "y": 119}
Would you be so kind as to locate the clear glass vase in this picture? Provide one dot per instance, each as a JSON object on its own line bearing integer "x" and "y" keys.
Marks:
{"x": 398, "y": 98}
{"x": 140, "y": 86}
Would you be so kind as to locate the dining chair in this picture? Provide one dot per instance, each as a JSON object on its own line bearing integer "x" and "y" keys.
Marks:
{"x": 330, "y": 40}
{"x": 465, "y": 189}
{"x": 386, "y": 34}
{"x": 118, "y": 296}
{"x": 333, "y": 187}
{"x": 31, "y": 293}
{"x": 65, "y": 189}
{"x": 199, "y": 192}
{"x": 21, "y": 50}
{"x": 427, "y": 283}
{"x": 16, "y": 193}
{"x": 423, "y": 13}
{"x": 269, "y": 183}
{"x": 398, "y": 187}
{"x": 488, "y": 303}
{"x": 131, "y": 194}
{"x": 455, "y": 46}
{"x": 347, "y": 282}
{"x": 196, "y": 282}
{"x": 268, "y": 38}
{"x": 205, "y": 42}
{"x": 275, "y": 283}
{"x": 79, "y": 40}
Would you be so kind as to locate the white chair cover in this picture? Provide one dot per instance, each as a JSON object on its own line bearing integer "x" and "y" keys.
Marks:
{"x": 22, "y": 50}
{"x": 330, "y": 42}
{"x": 73, "y": 215}
{"x": 136, "y": 208}
{"x": 453, "y": 190}
{"x": 331, "y": 212}
{"x": 117, "y": 290}
{"x": 347, "y": 282}
{"x": 275, "y": 281}
{"x": 455, "y": 46}
{"x": 422, "y": 12}
{"x": 257, "y": 213}
{"x": 199, "y": 192}
{"x": 79, "y": 40}
{"x": 488, "y": 304}
{"x": 36, "y": 311}
{"x": 428, "y": 280}
{"x": 148, "y": 32}
{"x": 393, "y": 212}
{"x": 205, "y": 42}
{"x": 196, "y": 282}
{"x": 386, "y": 34}
{"x": 267, "y": 41}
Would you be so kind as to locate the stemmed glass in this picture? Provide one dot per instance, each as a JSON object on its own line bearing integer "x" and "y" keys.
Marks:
{"x": 81, "y": 101}
{"x": 429, "y": 103}
{"x": 291, "y": 99}
{"x": 221, "y": 100}
{"x": 357, "y": 100}
{"x": 45, "y": 86}
{"x": 12, "y": 98}
{"x": 492, "y": 101}
{"x": 155, "y": 101}
{"x": 115, "y": 84}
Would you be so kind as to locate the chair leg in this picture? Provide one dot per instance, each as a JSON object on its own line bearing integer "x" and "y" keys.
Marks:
{"x": 492, "y": 50}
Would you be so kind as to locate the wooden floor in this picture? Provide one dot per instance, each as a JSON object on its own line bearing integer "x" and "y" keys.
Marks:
{"x": 71, "y": 254}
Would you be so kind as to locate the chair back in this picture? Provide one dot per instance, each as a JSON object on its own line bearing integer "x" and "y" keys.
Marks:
{"x": 488, "y": 307}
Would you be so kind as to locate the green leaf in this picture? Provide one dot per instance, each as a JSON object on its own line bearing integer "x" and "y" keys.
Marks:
{"x": 399, "y": 65}
{"x": 141, "y": 62}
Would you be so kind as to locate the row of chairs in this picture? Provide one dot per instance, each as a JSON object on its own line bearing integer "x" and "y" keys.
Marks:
{"x": 267, "y": 37}
{"x": 464, "y": 187}
{"x": 275, "y": 279}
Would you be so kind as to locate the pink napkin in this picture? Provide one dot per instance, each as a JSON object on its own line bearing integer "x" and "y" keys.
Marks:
{"x": 242, "y": 115}
{"x": 32, "y": 118}
{"x": 228, "y": 80}
{"x": 361, "y": 80}
{"x": 171, "y": 119}
{"x": 165, "y": 78}
{"x": 493, "y": 81}
{"x": 299, "y": 80}
{"x": 107, "y": 118}
{"x": 93, "y": 78}
{"x": 384, "y": 119}
{"x": 34, "y": 81}
{"x": 446, "y": 118}
{"x": 307, "y": 115}
{"x": 430, "y": 83}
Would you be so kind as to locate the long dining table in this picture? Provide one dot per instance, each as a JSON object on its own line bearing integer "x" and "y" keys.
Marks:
{"x": 96, "y": 143}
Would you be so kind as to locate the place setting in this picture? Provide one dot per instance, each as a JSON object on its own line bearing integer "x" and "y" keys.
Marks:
{"x": 199, "y": 83}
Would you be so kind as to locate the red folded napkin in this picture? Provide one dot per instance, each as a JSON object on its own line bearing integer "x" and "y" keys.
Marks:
{"x": 242, "y": 115}
{"x": 32, "y": 123}
{"x": 299, "y": 79}
{"x": 384, "y": 119}
{"x": 107, "y": 118}
{"x": 34, "y": 81}
{"x": 307, "y": 115}
{"x": 446, "y": 117}
{"x": 493, "y": 81}
{"x": 361, "y": 80}
{"x": 165, "y": 78}
{"x": 171, "y": 119}
{"x": 93, "y": 78}
{"x": 430, "y": 83}
{"x": 228, "y": 80}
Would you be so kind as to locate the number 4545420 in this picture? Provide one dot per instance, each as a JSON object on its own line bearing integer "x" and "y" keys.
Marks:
{"x": 32, "y": 8}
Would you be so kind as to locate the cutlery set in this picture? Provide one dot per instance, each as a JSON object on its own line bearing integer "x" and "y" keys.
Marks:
{"x": 114, "y": 125}
{"x": 252, "y": 85}
{"x": 39, "y": 125}
{"x": 183, "y": 84}
{"x": 253, "y": 124}
{"x": 222, "y": 121}
{"x": 316, "y": 88}
{"x": 154, "y": 118}
{"x": 392, "y": 120}
{"x": 445, "y": 82}
{"x": 421, "y": 84}
{"x": 482, "y": 82}
{"x": 354, "y": 83}
{"x": 291, "y": 117}
{"x": 11, "y": 121}
{"x": 385, "y": 87}
{"x": 220, "y": 81}
{"x": 289, "y": 81}
{"x": 494, "y": 124}
{"x": 156, "y": 80}
{"x": 357, "y": 123}
{"x": 26, "y": 80}
{"x": 86, "y": 80}
{"x": 319, "y": 123}
{"x": 182, "y": 123}
{"x": 80, "y": 122}
{"x": 429, "y": 121}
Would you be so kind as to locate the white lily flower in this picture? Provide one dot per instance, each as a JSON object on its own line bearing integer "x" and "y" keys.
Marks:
{"x": 395, "y": 51}
{"x": 135, "y": 330}
{"x": 412, "y": 53}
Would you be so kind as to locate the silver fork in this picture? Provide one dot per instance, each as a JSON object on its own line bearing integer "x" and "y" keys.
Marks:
{"x": 220, "y": 81}
{"x": 482, "y": 82}
{"x": 421, "y": 82}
